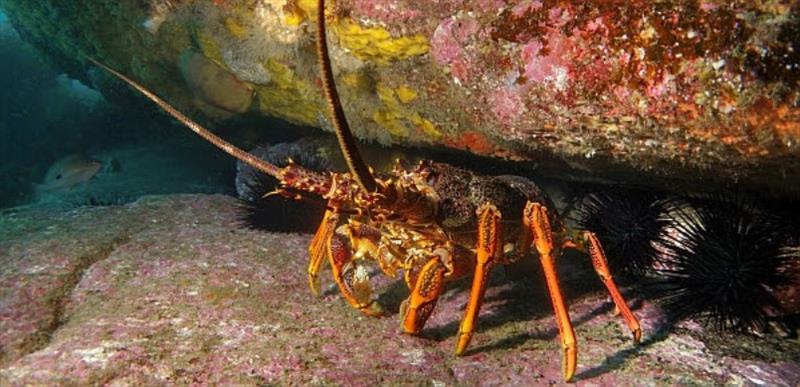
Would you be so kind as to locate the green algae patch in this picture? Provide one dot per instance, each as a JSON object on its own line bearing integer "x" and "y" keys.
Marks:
{"x": 288, "y": 96}
{"x": 377, "y": 44}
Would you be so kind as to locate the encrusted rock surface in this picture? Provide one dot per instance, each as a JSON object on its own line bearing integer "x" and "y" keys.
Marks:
{"x": 169, "y": 290}
{"x": 690, "y": 90}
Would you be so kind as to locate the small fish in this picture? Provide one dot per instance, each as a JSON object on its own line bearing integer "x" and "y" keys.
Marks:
{"x": 68, "y": 172}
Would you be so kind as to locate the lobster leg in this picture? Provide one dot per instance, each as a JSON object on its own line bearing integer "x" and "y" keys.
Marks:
{"x": 353, "y": 283}
{"x": 601, "y": 267}
{"x": 419, "y": 305}
{"x": 489, "y": 241}
{"x": 317, "y": 251}
{"x": 536, "y": 220}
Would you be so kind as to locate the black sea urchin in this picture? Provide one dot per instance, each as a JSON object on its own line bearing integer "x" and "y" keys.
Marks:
{"x": 628, "y": 223}
{"x": 275, "y": 212}
{"x": 721, "y": 260}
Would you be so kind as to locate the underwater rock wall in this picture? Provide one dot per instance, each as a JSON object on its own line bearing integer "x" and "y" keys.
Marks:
{"x": 697, "y": 90}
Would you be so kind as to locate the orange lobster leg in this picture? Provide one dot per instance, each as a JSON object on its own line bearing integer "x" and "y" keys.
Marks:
{"x": 353, "y": 284}
{"x": 489, "y": 241}
{"x": 317, "y": 251}
{"x": 601, "y": 267}
{"x": 420, "y": 304}
{"x": 536, "y": 220}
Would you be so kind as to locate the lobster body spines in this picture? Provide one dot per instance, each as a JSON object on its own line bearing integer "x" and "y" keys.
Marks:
{"x": 461, "y": 192}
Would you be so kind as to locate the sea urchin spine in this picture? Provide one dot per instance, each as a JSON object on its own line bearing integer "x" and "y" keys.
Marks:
{"x": 721, "y": 261}
{"x": 629, "y": 223}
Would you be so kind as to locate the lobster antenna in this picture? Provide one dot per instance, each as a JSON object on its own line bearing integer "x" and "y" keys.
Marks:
{"x": 347, "y": 143}
{"x": 225, "y": 146}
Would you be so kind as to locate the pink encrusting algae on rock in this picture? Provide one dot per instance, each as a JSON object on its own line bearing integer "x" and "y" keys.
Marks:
{"x": 547, "y": 58}
{"x": 506, "y": 104}
{"x": 552, "y": 67}
{"x": 386, "y": 11}
{"x": 176, "y": 293}
{"x": 447, "y": 45}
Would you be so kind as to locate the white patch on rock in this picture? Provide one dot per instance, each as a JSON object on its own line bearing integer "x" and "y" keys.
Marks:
{"x": 243, "y": 284}
{"x": 561, "y": 78}
{"x": 415, "y": 357}
{"x": 36, "y": 269}
{"x": 98, "y": 356}
{"x": 270, "y": 327}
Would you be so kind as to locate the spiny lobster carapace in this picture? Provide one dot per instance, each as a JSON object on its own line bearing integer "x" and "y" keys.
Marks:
{"x": 422, "y": 221}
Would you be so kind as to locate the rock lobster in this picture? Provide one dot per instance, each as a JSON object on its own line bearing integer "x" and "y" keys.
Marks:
{"x": 434, "y": 222}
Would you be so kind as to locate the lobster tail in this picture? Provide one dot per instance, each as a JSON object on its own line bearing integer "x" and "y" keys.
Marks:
{"x": 347, "y": 142}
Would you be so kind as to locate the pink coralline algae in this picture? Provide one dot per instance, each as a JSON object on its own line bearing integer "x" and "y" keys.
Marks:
{"x": 448, "y": 42}
{"x": 548, "y": 58}
{"x": 551, "y": 65}
{"x": 490, "y": 5}
{"x": 524, "y": 7}
{"x": 506, "y": 104}
{"x": 388, "y": 11}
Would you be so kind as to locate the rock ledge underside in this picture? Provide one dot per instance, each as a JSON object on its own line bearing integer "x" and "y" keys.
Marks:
{"x": 687, "y": 90}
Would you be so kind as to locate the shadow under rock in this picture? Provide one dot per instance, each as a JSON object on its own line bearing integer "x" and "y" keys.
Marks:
{"x": 526, "y": 299}
{"x": 523, "y": 298}
{"x": 616, "y": 361}
{"x": 550, "y": 333}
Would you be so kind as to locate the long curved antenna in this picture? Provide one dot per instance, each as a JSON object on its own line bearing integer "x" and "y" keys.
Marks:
{"x": 347, "y": 142}
{"x": 225, "y": 146}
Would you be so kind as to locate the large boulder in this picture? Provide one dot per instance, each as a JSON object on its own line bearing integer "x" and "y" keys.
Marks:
{"x": 699, "y": 90}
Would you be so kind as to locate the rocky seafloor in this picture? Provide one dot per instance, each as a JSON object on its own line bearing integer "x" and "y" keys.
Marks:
{"x": 171, "y": 290}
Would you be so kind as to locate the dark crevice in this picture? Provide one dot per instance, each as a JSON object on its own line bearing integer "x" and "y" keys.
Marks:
{"x": 57, "y": 299}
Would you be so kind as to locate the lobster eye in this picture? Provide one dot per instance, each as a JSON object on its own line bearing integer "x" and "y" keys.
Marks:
{"x": 430, "y": 177}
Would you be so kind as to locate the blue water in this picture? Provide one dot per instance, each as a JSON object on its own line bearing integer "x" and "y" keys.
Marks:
{"x": 46, "y": 115}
